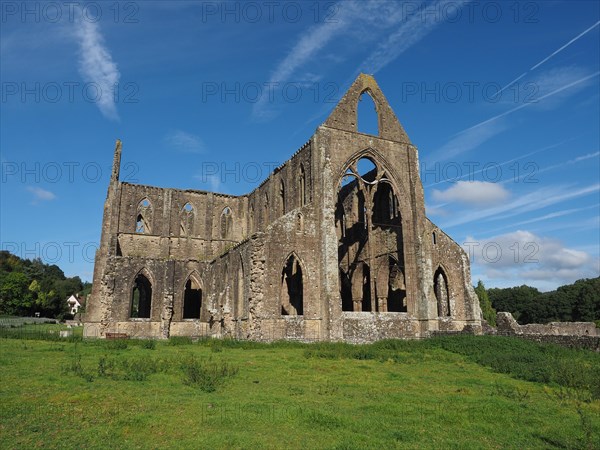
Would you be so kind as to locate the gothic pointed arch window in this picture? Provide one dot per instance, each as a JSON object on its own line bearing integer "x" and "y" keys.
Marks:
{"x": 144, "y": 214}
{"x": 370, "y": 239}
{"x": 385, "y": 206}
{"x": 226, "y": 223}
{"x": 141, "y": 297}
{"x": 281, "y": 198}
{"x": 367, "y": 115}
{"x": 186, "y": 223}
{"x": 442, "y": 295}
{"x": 292, "y": 288}
{"x": 302, "y": 186}
{"x": 266, "y": 207}
{"x": 192, "y": 298}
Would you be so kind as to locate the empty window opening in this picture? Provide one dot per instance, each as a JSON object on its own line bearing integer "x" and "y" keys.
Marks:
{"x": 266, "y": 204}
{"x": 141, "y": 226}
{"x": 366, "y": 289}
{"x": 367, "y": 169}
{"x": 292, "y": 291}
{"x": 226, "y": 223}
{"x": 385, "y": 207}
{"x": 348, "y": 179}
{"x": 302, "y": 190}
{"x": 434, "y": 238}
{"x": 141, "y": 298}
{"x": 187, "y": 220}
{"x": 346, "y": 292}
{"x": 192, "y": 300}
{"x": 440, "y": 287}
{"x": 396, "y": 295}
{"x": 282, "y": 197}
{"x": 368, "y": 119}
{"x": 144, "y": 212}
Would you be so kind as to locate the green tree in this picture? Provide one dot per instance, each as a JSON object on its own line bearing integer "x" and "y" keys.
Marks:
{"x": 15, "y": 298}
{"x": 489, "y": 313}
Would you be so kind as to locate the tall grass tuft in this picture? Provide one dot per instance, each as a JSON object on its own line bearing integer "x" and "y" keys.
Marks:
{"x": 206, "y": 374}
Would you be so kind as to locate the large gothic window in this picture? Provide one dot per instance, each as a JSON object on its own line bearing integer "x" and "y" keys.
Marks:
{"x": 370, "y": 240}
{"x": 141, "y": 298}
{"x": 292, "y": 288}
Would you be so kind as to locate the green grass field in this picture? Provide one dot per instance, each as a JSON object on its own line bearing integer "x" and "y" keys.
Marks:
{"x": 455, "y": 392}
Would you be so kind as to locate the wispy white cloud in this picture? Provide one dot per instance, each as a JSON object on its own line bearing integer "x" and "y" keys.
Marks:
{"x": 560, "y": 49}
{"x": 552, "y": 81}
{"x": 40, "y": 195}
{"x": 557, "y": 84}
{"x": 547, "y": 217}
{"x": 478, "y": 193}
{"x": 532, "y": 201}
{"x": 410, "y": 32}
{"x": 364, "y": 20}
{"x": 539, "y": 99}
{"x": 470, "y": 174}
{"x": 185, "y": 142}
{"x": 96, "y": 65}
{"x": 468, "y": 140}
{"x": 312, "y": 41}
{"x": 584, "y": 157}
{"x": 563, "y": 164}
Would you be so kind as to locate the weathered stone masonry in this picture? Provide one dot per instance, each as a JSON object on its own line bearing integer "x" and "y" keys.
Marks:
{"x": 323, "y": 249}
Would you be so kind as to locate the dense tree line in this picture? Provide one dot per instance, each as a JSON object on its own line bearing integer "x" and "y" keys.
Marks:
{"x": 30, "y": 286}
{"x": 577, "y": 302}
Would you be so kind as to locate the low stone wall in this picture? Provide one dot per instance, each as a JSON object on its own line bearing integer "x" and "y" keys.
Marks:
{"x": 567, "y": 334}
{"x": 506, "y": 323}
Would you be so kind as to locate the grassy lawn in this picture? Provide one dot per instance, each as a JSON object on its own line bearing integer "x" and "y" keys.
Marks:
{"x": 442, "y": 393}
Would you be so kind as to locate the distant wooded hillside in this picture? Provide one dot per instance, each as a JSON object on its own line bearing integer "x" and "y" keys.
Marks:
{"x": 577, "y": 302}
{"x": 30, "y": 286}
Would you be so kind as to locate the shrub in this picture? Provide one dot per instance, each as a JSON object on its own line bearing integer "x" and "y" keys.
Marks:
{"x": 149, "y": 344}
{"x": 206, "y": 375}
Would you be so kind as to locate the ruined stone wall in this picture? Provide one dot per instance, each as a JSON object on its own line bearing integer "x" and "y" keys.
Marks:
{"x": 265, "y": 203}
{"x": 506, "y": 323}
{"x": 267, "y": 263}
{"x": 453, "y": 260}
{"x": 203, "y": 238}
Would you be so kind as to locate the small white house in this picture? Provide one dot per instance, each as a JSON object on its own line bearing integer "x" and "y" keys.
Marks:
{"x": 74, "y": 303}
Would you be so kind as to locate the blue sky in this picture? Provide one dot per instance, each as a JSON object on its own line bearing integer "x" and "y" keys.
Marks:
{"x": 501, "y": 98}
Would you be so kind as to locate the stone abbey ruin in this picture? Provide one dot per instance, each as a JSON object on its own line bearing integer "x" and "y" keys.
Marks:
{"x": 323, "y": 249}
